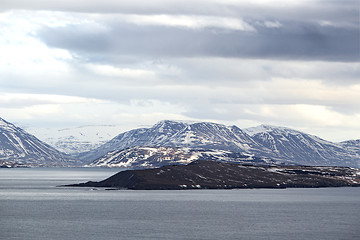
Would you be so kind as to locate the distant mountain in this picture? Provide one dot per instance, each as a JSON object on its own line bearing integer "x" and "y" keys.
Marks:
{"x": 304, "y": 148}
{"x": 276, "y": 143}
{"x": 201, "y": 135}
{"x": 74, "y": 140}
{"x": 150, "y": 157}
{"x": 352, "y": 145}
{"x": 292, "y": 145}
{"x": 19, "y": 148}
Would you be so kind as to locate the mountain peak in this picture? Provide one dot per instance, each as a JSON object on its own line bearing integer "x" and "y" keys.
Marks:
{"x": 6, "y": 126}
{"x": 19, "y": 146}
{"x": 3, "y": 122}
{"x": 172, "y": 133}
{"x": 176, "y": 125}
{"x": 268, "y": 128}
{"x": 168, "y": 126}
{"x": 168, "y": 122}
{"x": 175, "y": 122}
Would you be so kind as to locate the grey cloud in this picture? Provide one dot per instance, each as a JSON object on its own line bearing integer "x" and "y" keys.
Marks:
{"x": 110, "y": 6}
{"x": 310, "y": 10}
{"x": 237, "y": 71}
{"x": 303, "y": 41}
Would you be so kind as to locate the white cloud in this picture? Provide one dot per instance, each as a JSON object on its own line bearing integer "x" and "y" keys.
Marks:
{"x": 309, "y": 91}
{"x": 111, "y": 71}
{"x": 30, "y": 98}
{"x": 272, "y": 24}
{"x": 22, "y": 53}
{"x": 187, "y": 21}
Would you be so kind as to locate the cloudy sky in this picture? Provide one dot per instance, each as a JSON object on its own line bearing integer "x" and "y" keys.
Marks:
{"x": 132, "y": 63}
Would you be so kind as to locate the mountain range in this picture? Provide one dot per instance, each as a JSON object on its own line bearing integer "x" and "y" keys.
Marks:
{"x": 267, "y": 142}
{"x": 178, "y": 142}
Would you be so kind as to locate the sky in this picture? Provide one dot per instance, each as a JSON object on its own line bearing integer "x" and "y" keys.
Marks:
{"x": 133, "y": 63}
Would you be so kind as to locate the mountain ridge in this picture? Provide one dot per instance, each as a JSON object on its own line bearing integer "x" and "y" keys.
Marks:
{"x": 353, "y": 145}
{"x": 276, "y": 143}
{"x": 19, "y": 148}
{"x": 178, "y": 134}
{"x": 305, "y": 148}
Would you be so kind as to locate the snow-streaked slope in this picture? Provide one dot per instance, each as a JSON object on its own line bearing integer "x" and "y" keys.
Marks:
{"x": 20, "y": 147}
{"x": 277, "y": 143}
{"x": 289, "y": 144}
{"x": 75, "y": 140}
{"x": 167, "y": 133}
{"x": 149, "y": 157}
{"x": 352, "y": 145}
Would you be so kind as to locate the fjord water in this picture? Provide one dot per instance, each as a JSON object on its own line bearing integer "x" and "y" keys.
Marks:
{"x": 33, "y": 208}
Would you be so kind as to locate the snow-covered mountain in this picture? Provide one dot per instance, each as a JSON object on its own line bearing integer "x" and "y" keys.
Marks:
{"x": 352, "y": 145}
{"x": 276, "y": 143}
{"x": 289, "y": 144}
{"x": 150, "y": 157}
{"x": 74, "y": 140}
{"x": 21, "y": 148}
{"x": 168, "y": 142}
{"x": 201, "y": 135}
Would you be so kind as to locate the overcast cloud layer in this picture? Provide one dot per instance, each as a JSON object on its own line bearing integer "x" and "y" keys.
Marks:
{"x": 133, "y": 63}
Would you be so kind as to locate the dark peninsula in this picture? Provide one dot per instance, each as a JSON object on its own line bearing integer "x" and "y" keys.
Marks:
{"x": 224, "y": 175}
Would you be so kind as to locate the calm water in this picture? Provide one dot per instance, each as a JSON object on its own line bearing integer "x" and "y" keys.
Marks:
{"x": 33, "y": 208}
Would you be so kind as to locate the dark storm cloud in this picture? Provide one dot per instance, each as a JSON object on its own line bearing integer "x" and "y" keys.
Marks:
{"x": 293, "y": 40}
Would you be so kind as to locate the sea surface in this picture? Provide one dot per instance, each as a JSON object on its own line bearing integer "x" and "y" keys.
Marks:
{"x": 32, "y": 207}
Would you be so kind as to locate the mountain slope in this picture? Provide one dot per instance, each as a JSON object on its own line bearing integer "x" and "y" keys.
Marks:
{"x": 167, "y": 133}
{"x": 18, "y": 146}
{"x": 289, "y": 144}
{"x": 352, "y": 145}
{"x": 150, "y": 157}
